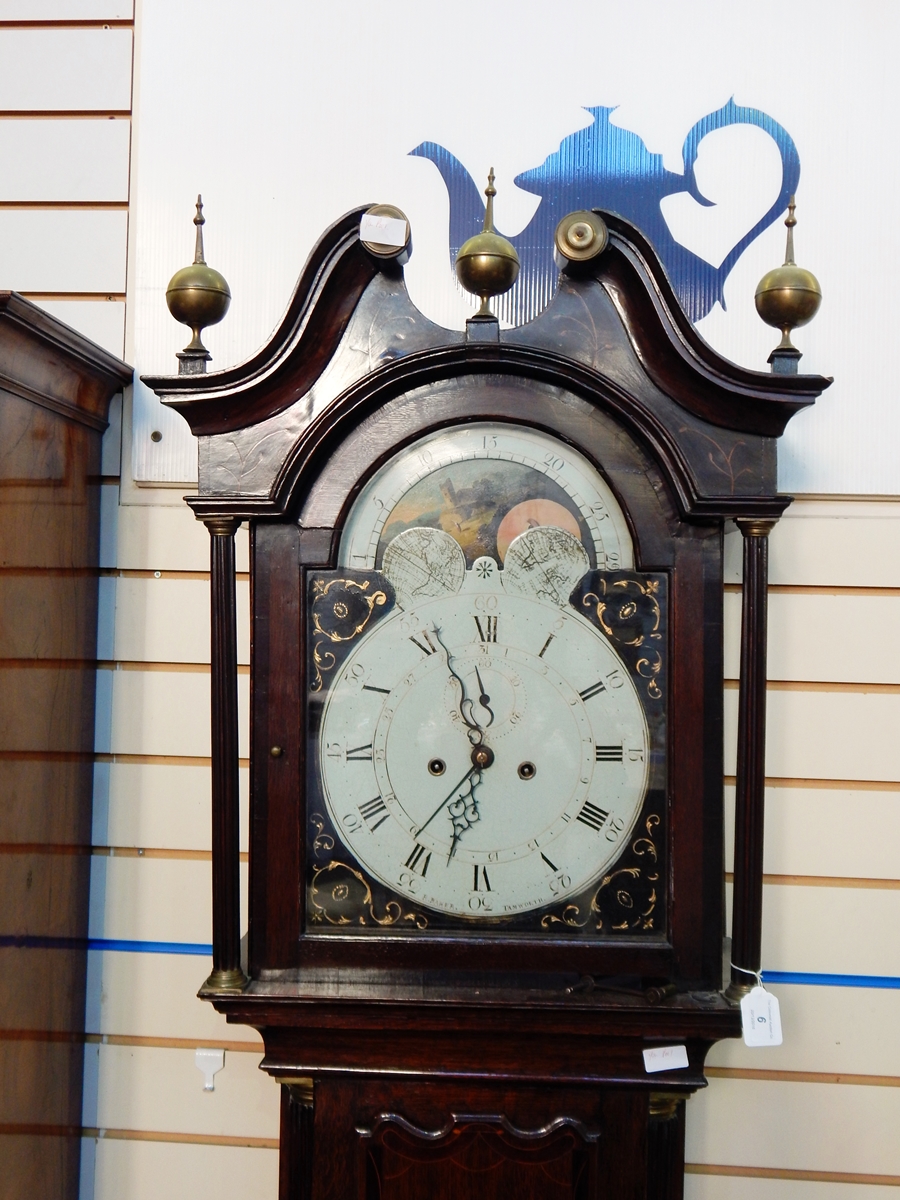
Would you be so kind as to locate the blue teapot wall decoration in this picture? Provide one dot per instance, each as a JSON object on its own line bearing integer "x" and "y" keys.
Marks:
{"x": 603, "y": 166}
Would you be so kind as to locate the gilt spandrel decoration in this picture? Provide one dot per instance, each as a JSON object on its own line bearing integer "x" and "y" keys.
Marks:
{"x": 341, "y": 610}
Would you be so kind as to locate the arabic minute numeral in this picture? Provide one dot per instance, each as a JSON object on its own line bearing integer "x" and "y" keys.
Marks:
{"x": 488, "y": 631}
{"x": 594, "y": 690}
{"x": 608, "y": 753}
{"x": 427, "y": 646}
{"x": 592, "y": 816}
{"x": 372, "y": 812}
{"x": 614, "y": 828}
{"x": 418, "y": 860}
{"x": 360, "y": 753}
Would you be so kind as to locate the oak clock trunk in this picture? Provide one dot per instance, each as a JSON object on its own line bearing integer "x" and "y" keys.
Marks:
{"x": 486, "y": 861}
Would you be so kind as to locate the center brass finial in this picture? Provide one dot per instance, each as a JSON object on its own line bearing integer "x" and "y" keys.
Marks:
{"x": 487, "y": 264}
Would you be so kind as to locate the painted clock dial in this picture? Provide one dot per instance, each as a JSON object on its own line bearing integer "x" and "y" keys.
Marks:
{"x": 483, "y": 484}
{"x": 483, "y": 744}
{"x": 484, "y": 752}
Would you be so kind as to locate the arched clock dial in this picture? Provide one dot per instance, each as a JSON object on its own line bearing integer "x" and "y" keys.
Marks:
{"x": 483, "y": 484}
{"x": 483, "y": 752}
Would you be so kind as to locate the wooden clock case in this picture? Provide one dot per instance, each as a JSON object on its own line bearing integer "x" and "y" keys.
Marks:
{"x": 452, "y": 1066}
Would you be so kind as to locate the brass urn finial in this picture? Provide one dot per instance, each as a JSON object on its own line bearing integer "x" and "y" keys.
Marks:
{"x": 197, "y": 296}
{"x": 487, "y": 264}
{"x": 788, "y": 297}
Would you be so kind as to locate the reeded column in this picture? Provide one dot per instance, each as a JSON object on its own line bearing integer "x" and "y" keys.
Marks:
{"x": 750, "y": 794}
{"x": 297, "y": 1131}
{"x": 226, "y": 889}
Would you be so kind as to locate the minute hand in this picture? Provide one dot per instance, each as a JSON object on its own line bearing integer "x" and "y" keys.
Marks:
{"x": 468, "y": 775}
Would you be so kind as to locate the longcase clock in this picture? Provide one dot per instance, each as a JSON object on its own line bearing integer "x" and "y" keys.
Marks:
{"x": 486, "y": 861}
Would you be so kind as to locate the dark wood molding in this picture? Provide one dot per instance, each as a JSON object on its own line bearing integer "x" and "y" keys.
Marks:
{"x": 47, "y": 363}
{"x": 333, "y": 280}
{"x": 678, "y": 358}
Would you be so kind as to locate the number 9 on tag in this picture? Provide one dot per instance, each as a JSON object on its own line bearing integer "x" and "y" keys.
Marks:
{"x": 760, "y": 1018}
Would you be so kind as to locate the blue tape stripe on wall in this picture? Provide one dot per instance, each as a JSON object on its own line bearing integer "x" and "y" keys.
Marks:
{"x": 860, "y": 981}
{"x": 33, "y": 942}
{"x": 27, "y": 941}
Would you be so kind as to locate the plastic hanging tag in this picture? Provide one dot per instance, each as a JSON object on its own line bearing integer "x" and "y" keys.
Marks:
{"x": 761, "y": 1018}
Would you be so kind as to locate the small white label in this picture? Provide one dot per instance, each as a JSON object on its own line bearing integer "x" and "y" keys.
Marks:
{"x": 665, "y": 1058}
{"x": 383, "y": 231}
{"x": 760, "y": 1018}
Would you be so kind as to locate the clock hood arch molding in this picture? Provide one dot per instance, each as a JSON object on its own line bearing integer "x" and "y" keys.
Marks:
{"x": 614, "y": 338}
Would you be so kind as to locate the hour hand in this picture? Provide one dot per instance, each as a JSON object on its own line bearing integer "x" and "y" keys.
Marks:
{"x": 452, "y": 796}
{"x": 464, "y": 812}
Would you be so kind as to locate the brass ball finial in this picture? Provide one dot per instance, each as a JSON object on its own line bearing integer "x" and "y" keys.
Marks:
{"x": 786, "y": 298}
{"x": 487, "y": 264}
{"x": 197, "y": 296}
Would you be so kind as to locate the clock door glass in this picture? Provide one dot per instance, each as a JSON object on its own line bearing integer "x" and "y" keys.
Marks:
{"x": 486, "y": 704}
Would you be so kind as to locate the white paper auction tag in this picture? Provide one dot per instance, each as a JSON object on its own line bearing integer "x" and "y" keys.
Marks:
{"x": 760, "y": 1018}
{"x": 665, "y": 1058}
{"x": 383, "y": 231}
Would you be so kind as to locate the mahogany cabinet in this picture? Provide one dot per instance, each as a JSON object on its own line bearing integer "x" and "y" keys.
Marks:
{"x": 55, "y": 390}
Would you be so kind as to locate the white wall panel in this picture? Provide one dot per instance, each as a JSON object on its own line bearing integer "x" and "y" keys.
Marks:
{"x": 154, "y": 995}
{"x": 840, "y": 1030}
{"x": 723, "y": 1187}
{"x": 143, "y": 1087}
{"x": 830, "y": 544}
{"x": 799, "y": 1126}
{"x": 855, "y": 544}
{"x": 684, "y": 66}
{"x": 824, "y": 831}
{"x": 830, "y": 930}
{"x": 154, "y": 899}
{"x": 79, "y": 69}
{"x": 825, "y": 735}
{"x": 167, "y": 713}
{"x": 162, "y": 537}
{"x": 167, "y": 620}
{"x": 63, "y": 250}
{"x": 150, "y": 1170}
{"x": 103, "y": 321}
{"x": 162, "y": 806}
{"x": 64, "y": 160}
{"x": 824, "y": 638}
